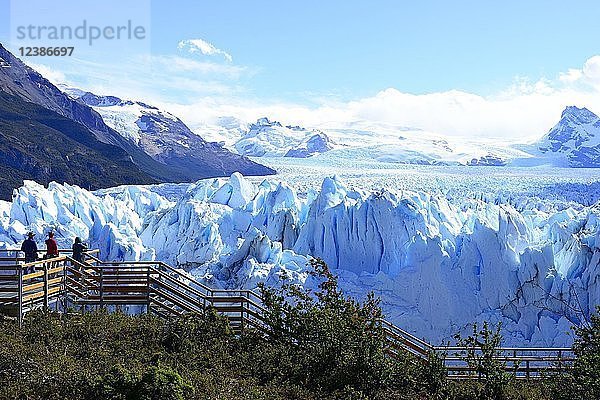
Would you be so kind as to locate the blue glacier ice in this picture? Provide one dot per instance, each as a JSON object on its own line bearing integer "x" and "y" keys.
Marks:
{"x": 438, "y": 263}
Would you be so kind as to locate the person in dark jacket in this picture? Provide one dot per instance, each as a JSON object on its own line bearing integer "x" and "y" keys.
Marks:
{"x": 78, "y": 250}
{"x": 51, "y": 246}
{"x": 29, "y": 247}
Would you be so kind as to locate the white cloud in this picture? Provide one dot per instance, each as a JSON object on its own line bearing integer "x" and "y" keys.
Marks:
{"x": 53, "y": 75}
{"x": 204, "y": 47}
{"x": 200, "y": 91}
{"x": 176, "y": 64}
{"x": 523, "y": 112}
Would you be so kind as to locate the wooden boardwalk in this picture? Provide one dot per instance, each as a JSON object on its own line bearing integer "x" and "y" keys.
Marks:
{"x": 155, "y": 287}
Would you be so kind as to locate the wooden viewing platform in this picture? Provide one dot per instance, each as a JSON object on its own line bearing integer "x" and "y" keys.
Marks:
{"x": 154, "y": 287}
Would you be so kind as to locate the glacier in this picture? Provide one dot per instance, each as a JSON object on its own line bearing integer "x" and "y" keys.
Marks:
{"x": 438, "y": 262}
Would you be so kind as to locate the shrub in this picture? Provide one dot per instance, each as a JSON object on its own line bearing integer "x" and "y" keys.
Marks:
{"x": 313, "y": 345}
{"x": 586, "y": 368}
{"x": 483, "y": 357}
{"x": 161, "y": 384}
{"x": 323, "y": 339}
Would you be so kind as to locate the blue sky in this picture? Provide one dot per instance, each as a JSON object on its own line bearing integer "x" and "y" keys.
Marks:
{"x": 501, "y": 69}
{"x": 357, "y": 48}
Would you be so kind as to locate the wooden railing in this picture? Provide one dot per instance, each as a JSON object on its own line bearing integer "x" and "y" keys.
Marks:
{"x": 157, "y": 288}
{"x": 523, "y": 362}
{"x": 25, "y": 286}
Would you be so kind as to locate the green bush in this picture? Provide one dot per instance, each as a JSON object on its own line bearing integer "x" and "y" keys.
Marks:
{"x": 153, "y": 384}
{"x": 313, "y": 345}
{"x": 323, "y": 340}
{"x": 586, "y": 368}
{"x": 484, "y": 358}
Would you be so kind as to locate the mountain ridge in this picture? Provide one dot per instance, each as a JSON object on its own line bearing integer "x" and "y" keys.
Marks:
{"x": 165, "y": 137}
{"x": 39, "y": 144}
{"x": 18, "y": 79}
{"x": 574, "y": 141}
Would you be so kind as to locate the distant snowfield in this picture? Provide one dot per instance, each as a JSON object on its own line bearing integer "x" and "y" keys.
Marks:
{"x": 554, "y": 186}
{"x": 442, "y": 246}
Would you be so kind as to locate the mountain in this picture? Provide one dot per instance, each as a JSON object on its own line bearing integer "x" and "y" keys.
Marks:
{"x": 272, "y": 139}
{"x": 574, "y": 140}
{"x": 39, "y": 144}
{"x": 356, "y": 140}
{"x": 165, "y": 138}
{"x": 315, "y": 144}
{"x": 209, "y": 160}
{"x": 22, "y": 81}
{"x": 225, "y": 130}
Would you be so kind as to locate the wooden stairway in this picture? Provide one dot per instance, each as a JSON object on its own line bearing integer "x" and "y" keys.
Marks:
{"x": 157, "y": 288}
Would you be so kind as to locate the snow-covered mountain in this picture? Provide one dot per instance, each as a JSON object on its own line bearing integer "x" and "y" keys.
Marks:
{"x": 225, "y": 130}
{"x": 574, "y": 141}
{"x": 357, "y": 140}
{"x": 438, "y": 263}
{"x": 46, "y": 136}
{"x": 166, "y": 138}
{"x": 272, "y": 139}
{"x": 168, "y": 152}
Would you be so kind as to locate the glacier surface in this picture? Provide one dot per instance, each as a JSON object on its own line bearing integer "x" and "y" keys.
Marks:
{"x": 438, "y": 262}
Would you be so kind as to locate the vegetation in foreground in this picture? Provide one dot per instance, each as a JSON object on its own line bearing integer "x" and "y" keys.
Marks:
{"x": 320, "y": 345}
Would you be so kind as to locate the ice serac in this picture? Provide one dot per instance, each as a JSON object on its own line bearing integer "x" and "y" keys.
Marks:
{"x": 439, "y": 264}
{"x": 111, "y": 223}
{"x": 440, "y": 267}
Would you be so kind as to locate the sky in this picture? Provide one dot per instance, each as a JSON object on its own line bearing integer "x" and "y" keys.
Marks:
{"x": 502, "y": 70}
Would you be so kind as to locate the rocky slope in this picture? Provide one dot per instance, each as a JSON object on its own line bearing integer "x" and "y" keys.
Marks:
{"x": 39, "y": 144}
{"x": 200, "y": 160}
{"x": 166, "y": 138}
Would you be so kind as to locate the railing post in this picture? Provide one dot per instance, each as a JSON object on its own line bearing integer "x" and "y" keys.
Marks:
{"x": 242, "y": 305}
{"x": 245, "y": 307}
{"x": 46, "y": 300}
{"x": 559, "y": 360}
{"x": 20, "y": 300}
{"x": 101, "y": 287}
{"x": 527, "y": 369}
{"x": 65, "y": 288}
{"x": 148, "y": 301}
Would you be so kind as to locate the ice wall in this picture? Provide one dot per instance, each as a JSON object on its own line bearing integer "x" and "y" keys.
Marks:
{"x": 437, "y": 264}
{"x": 110, "y": 223}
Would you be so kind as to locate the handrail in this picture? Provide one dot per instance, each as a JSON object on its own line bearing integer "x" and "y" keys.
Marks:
{"x": 165, "y": 291}
{"x": 184, "y": 276}
{"x": 522, "y": 349}
{"x": 60, "y": 249}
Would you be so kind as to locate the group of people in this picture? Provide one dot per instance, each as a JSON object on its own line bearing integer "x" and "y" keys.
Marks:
{"x": 29, "y": 247}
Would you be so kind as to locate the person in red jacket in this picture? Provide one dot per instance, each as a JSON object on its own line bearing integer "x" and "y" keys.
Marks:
{"x": 51, "y": 246}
